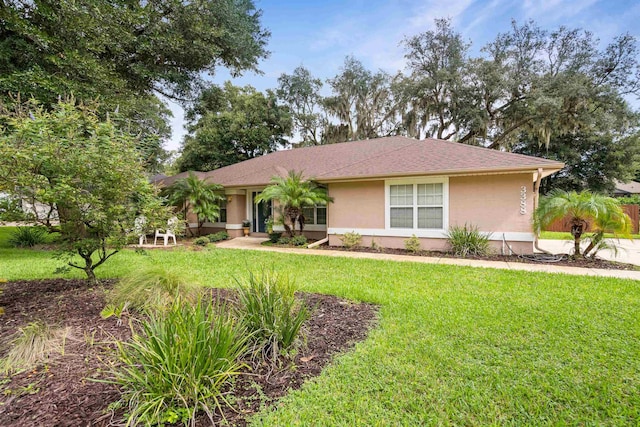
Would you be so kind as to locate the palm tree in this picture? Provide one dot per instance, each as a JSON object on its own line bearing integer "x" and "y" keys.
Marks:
{"x": 196, "y": 195}
{"x": 293, "y": 193}
{"x": 604, "y": 213}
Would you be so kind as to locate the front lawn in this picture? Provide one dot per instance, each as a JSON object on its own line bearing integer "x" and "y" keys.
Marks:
{"x": 455, "y": 345}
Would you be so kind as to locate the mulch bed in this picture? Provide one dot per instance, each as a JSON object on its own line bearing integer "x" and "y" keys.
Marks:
{"x": 61, "y": 394}
{"x": 568, "y": 262}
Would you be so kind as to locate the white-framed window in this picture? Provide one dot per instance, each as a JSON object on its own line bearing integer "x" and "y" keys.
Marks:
{"x": 315, "y": 215}
{"x": 223, "y": 211}
{"x": 419, "y": 204}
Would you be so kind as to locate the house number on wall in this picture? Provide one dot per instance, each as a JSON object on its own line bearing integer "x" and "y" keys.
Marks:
{"x": 523, "y": 200}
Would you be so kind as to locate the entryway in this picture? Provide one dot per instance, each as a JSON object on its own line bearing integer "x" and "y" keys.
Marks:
{"x": 261, "y": 211}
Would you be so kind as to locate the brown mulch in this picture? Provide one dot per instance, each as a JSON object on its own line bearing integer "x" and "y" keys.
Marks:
{"x": 567, "y": 261}
{"x": 61, "y": 394}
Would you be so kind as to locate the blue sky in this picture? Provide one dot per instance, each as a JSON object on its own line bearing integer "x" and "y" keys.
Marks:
{"x": 319, "y": 34}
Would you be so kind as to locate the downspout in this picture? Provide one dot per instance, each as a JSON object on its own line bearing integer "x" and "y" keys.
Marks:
{"x": 318, "y": 243}
{"x": 536, "y": 197}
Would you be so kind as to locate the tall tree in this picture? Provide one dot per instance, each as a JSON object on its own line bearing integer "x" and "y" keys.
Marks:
{"x": 592, "y": 161}
{"x": 528, "y": 81}
{"x": 231, "y": 124}
{"x": 300, "y": 91}
{"x": 364, "y": 104}
{"x": 124, "y": 53}
{"x": 436, "y": 61}
{"x": 84, "y": 167}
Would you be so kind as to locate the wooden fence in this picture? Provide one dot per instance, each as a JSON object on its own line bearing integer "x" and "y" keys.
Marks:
{"x": 565, "y": 224}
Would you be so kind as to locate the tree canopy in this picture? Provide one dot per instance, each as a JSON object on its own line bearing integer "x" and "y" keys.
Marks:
{"x": 555, "y": 94}
{"x": 86, "y": 169}
{"x": 230, "y": 124}
{"x": 125, "y": 53}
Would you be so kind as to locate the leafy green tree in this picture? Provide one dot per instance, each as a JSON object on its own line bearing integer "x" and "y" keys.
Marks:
{"x": 527, "y": 81}
{"x": 125, "y": 53}
{"x": 436, "y": 60}
{"x": 293, "y": 193}
{"x": 592, "y": 162}
{"x": 192, "y": 194}
{"x": 231, "y": 124}
{"x": 87, "y": 169}
{"x": 300, "y": 91}
{"x": 98, "y": 47}
{"x": 364, "y": 104}
{"x": 604, "y": 213}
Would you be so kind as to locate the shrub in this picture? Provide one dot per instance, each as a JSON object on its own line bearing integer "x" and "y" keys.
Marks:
{"x": 412, "y": 244}
{"x": 375, "y": 245}
{"x": 218, "y": 237}
{"x": 270, "y": 312}
{"x": 28, "y": 236}
{"x": 201, "y": 241}
{"x": 284, "y": 240}
{"x": 275, "y": 236}
{"x": 351, "y": 240}
{"x": 300, "y": 240}
{"x": 149, "y": 289}
{"x": 34, "y": 344}
{"x": 178, "y": 363}
{"x": 467, "y": 240}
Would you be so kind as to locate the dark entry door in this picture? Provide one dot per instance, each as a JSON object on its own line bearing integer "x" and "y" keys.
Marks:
{"x": 261, "y": 212}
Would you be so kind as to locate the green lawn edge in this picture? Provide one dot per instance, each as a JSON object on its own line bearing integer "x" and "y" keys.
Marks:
{"x": 454, "y": 345}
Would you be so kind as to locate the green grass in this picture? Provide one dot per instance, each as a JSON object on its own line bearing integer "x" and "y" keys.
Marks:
{"x": 455, "y": 345}
{"x": 5, "y": 233}
{"x": 559, "y": 235}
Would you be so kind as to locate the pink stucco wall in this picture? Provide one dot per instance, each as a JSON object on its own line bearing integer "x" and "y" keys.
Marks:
{"x": 356, "y": 205}
{"x": 490, "y": 202}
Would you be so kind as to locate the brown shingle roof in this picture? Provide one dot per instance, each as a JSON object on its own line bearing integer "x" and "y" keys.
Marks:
{"x": 381, "y": 157}
{"x": 632, "y": 187}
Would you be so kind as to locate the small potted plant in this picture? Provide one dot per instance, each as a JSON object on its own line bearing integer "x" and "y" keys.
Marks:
{"x": 246, "y": 225}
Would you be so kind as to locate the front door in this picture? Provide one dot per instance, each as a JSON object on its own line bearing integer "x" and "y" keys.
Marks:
{"x": 261, "y": 211}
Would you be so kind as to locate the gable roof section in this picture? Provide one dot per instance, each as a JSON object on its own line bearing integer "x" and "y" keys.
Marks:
{"x": 375, "y": 158}
{"x": 632, "y": 187}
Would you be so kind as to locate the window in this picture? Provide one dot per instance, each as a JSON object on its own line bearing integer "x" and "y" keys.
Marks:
{"x": 315, "y": 215}
{"x": 223, "y": 211}
{"x": 417, "y": 205}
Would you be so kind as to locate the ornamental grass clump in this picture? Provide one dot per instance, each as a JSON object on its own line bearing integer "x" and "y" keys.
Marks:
{"x": 468, "y": 241}
{"x": 149, "y": 289}
{"x": 34, "y": 343}
{"x": 178, "y": 363}
{"x": 28, "y": 237}
{"x": 270, "y": 312}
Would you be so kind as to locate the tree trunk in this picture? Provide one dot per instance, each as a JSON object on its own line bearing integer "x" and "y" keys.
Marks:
{"x": 577, "y": 227}
{"x": 88, "y": 268}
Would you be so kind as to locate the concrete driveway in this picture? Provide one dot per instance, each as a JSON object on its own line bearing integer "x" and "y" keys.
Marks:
{"x": 628, "y": 250}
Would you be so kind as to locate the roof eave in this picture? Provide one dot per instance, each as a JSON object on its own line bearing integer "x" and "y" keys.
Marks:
{"x": 547, "y": 170}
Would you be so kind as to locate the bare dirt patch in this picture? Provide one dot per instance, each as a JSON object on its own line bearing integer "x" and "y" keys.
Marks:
{"x": 61, "y": 393}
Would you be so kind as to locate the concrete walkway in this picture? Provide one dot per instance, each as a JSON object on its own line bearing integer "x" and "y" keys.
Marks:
{"x": 254, "y": 243}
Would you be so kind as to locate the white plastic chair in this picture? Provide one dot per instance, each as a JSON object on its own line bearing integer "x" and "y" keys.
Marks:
{"x": 169, "y": 232}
